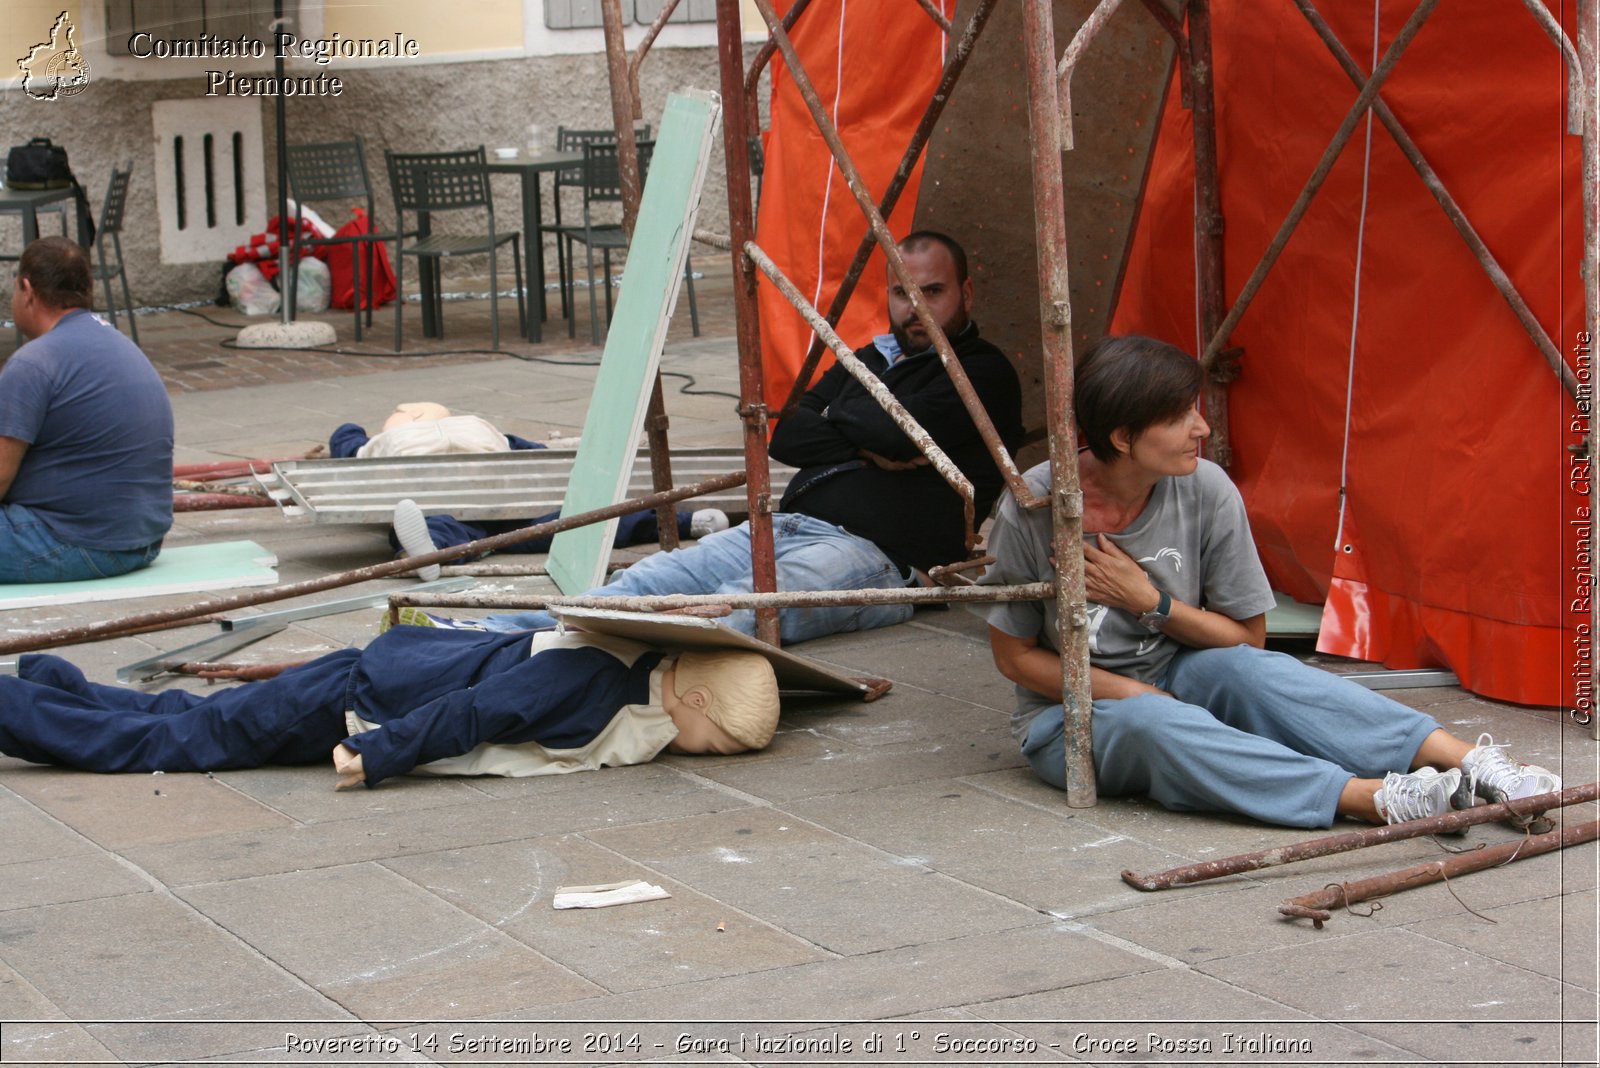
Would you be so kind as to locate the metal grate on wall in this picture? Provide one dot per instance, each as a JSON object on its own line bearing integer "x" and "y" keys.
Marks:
{"x": 210, "y": 176}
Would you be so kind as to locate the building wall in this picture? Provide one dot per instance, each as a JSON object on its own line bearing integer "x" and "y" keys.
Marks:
{"x": 485, "y": 71}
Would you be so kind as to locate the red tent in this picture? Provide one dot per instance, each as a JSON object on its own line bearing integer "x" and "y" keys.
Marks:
{"x": 1459, "y": 534}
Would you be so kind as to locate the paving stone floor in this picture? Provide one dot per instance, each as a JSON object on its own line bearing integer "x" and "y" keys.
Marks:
{"x": 887, "y": 883}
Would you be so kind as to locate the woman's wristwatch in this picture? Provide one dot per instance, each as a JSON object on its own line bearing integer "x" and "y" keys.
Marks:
{"x": 1155, "y": 620}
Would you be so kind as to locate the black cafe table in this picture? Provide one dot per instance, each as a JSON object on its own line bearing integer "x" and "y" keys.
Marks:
{"x": 528, "y": 166}
{"x": 27, "y": 202}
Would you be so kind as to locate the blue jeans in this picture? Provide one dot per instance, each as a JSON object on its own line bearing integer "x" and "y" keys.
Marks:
{"x": 30, "y": 552}
{"x": 811, "y": 555}
{"x": 1244, "y": 731}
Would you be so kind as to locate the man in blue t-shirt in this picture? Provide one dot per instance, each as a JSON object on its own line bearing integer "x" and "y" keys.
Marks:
{"x": 85, "y": 433}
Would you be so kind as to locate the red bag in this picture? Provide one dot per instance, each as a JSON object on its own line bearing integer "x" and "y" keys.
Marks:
{"x": 377, "y": 273}
{"x": 263, "y": 248}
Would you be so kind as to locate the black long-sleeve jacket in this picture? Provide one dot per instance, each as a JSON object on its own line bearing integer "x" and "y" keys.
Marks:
{"x": 913, "y": 516}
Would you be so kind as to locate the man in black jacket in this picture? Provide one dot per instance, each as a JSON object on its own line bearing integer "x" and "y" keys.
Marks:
{"x": 866, "y": 511}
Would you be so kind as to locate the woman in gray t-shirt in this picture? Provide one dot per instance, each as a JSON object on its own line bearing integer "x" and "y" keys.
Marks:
{"x": 1188, "y": 707}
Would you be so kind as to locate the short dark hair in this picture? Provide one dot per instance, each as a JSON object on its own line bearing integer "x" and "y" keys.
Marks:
{"x": 918, "y": 240}
{"x": 57, "y": 270}
{"x": 1131, "y": 383}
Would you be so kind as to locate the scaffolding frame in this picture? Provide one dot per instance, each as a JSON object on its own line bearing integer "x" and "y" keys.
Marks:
{"x": 1048, "y": 86}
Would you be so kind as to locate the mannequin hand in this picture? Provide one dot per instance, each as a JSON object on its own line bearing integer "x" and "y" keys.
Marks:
{"x": 347, "y": 763}
{"x": 1112, "y": 577}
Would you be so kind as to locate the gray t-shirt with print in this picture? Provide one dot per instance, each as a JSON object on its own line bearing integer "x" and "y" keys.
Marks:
{"x": 1193, "y": 539}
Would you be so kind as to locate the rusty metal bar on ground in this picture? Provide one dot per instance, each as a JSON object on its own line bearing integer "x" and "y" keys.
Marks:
{"x": 221, "y": 489}
{"x": 758, "y": 63}
{"x": 116, "y": 628}
{"x": 1055, "y": 324}
{"x": 637, "y": 59}
{"x": 1317, "y": 906}
{"x": 747, "y": 312}
{"x": 1569, "y": 56}
{"x": 213, "y": 502}
{"x": 221, "y": 469}
{"x": 1318, "y": 175}
{"x": 896, "y": 411}
{"x": 954, "y": 65}
{"x": 1208, "y": 230}
{"x": 1031, "y": 591}
{"x": 1450, "y": 822}
{"x": 1458, "y": 218}
{"x": 935, "y": 14}
{"x": 1069, "y": 62}
{"x": 841, "y": 157}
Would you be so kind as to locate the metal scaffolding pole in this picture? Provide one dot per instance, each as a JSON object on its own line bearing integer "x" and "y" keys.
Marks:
{"x": 1208, "y": 230}
{"x": 841, "y": 157}
{"x": 625, "y": 108}
{"x": 1045, "y": 124}
{"x": 953, "y": 67}
{"x": 741, "y": 230}
{"x": 1319, "y": 174}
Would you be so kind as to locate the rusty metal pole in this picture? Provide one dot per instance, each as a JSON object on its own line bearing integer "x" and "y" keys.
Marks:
{"x": 1055, "y": 319}
{"x": 116, "y": 628}
{"x": 853, "y": 180}
{"x": 954, "y": 65}
{"x": 1208, "y": 230}
{"x": 625, "y": 110}
{"x": 637, "y": 59}
{"x": 1211, "y": 353}
{"x": 1028, "y": 591}
{"x": 1447, "y": 203}
{"x": 741, "y": 230}
{"x": 1315, "y": 906}
{"x": 1368, "y": 836}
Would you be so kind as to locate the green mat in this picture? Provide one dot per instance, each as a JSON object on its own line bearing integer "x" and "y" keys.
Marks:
{"x": 1290, "y": 618}
{"x": 184, "y": 569}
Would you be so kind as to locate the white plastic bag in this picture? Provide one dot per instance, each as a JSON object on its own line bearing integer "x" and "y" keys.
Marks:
{"x": 250, "y": 292}
{"x": 315, "y": 288}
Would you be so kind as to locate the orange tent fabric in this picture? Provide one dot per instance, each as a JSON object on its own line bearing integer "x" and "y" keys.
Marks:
{"x": 874, "y": 64}
{"x": 1461, "y": 535}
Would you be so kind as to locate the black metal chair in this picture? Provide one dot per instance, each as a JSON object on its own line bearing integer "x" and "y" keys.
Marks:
{"x": 602, "y": 184}
{"x": 430, "y": 183}
{"x": 111, "y": 213}
{"x": 333, "y": 170}
{"x": 569, "y": 140}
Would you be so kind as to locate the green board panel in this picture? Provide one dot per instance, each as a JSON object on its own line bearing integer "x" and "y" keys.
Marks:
{"x": 650, "y": 282}
{"x": 185, "y": 569}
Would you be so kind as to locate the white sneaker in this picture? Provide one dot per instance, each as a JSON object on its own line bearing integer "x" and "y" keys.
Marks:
{"x": 1491, "y": 777}
{"x": 707, "y": 521}
{"x": 1423, "y": 793}
{"x": 411, "y": 531}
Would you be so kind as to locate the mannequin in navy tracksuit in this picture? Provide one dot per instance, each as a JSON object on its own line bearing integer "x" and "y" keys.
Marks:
{"x": 414, "y": 696}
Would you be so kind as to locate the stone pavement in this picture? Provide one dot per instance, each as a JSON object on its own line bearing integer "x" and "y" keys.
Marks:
{"x": 886, "y": 884}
